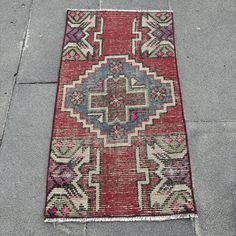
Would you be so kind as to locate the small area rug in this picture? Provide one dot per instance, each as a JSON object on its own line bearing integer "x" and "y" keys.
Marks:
{"x": 119, "y": 147}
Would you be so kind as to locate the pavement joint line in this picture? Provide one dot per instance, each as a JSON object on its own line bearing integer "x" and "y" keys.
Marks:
{"x": 85, "y": 229}
{"x": 100, "y": 4}
{"x": 196, "y": 227}
{"x": 169, "y": 4}
{"x": 42, "y": 82}
{"x": 17, "y": 70}
{"x": 193, "y": 226}
{"x": 210, "y": 121}
{"x": 25, "y": 38}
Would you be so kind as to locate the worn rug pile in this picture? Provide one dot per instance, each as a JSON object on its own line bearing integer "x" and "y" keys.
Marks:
{"x": 119, "y": 147}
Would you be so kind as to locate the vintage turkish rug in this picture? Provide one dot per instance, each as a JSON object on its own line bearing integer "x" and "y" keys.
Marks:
{"x": 119, "y": 146}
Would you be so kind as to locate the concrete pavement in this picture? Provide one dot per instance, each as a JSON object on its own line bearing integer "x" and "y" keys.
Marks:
{"x": 30, "y": 46}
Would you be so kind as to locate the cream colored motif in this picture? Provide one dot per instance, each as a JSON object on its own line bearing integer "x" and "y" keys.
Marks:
{"x": 164, "y": 196}
{"x": 141, "y": 170}
{"x": 97, "y": 40}
{"x": 96, "y": 185}
{"x": 138, "y": 35}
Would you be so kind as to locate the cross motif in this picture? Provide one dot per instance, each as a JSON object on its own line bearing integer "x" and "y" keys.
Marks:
{"x": 116, "y": 99}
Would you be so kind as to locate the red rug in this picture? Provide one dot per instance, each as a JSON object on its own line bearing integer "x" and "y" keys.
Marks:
{"x": 119, "y": 146}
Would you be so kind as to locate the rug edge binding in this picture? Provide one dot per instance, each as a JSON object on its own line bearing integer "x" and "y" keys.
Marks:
{"x": 122, "y": 219}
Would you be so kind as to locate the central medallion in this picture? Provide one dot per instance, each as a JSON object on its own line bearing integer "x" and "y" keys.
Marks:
{"x": 117, "y": 98}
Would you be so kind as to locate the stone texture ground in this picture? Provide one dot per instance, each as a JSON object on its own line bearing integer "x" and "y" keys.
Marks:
{"x": 30, "y": 46}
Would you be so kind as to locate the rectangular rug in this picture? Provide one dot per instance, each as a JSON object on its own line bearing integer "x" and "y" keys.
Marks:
{"x": 119, "y": 146}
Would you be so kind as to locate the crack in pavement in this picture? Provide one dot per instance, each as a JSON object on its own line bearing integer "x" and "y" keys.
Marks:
{"x": 18, "y": 67}
{"x": 39, "y": 82}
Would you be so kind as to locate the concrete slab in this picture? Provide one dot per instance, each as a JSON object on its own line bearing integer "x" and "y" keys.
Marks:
{"x": 213, "y": 161}
{"x": 205, "y": 42}
{"x": 205, "y": 38}
{"x": 13, "y": 22}
{"x": 165, "y": 228}
{"x": 206, "y": 69}
{"x": 135, "y": 4}
{"x": 24, "y": 155}
{"x": 41, "y": 58}
{"x": 23, "y": 171}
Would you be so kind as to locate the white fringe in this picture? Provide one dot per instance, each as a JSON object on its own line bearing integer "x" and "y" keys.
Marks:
{"x": 122, "y": 219}
{"x": 124, "y": 10}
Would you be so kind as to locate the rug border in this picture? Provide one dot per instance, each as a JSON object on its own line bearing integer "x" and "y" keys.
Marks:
{"x": 122, "y": 219}
{"x": 119, "y": 10}
{"x": 184, "y": 119}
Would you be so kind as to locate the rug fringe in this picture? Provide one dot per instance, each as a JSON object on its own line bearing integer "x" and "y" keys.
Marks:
{"x": 124, "y": 10}
{"x": 122, "y": 219}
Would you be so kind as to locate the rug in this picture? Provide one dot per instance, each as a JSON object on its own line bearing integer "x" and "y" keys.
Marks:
{"x": 119, "y": 147}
